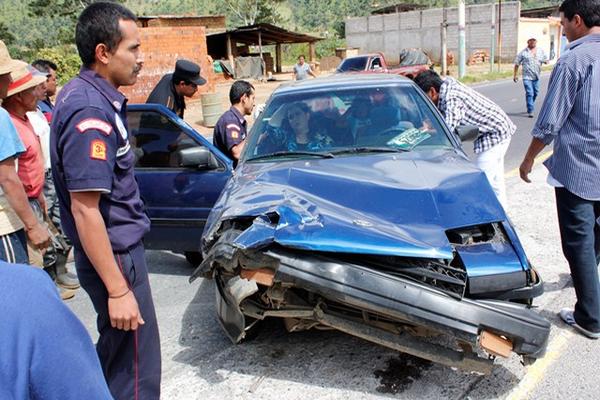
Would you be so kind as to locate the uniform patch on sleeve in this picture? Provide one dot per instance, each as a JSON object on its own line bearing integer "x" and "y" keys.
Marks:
{"x": 235, "y": 134}
{"x": 98, "y": 150}
{"x": 233, "y": 126}
{"x": 96, "y": 124}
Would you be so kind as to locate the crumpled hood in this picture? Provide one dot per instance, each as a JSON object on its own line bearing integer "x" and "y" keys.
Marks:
{"x": 392, "y": 204}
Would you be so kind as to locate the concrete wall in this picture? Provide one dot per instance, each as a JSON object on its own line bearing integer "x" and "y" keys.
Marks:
{"x": 161, "y": 47}
{"x": 391, "y": 33}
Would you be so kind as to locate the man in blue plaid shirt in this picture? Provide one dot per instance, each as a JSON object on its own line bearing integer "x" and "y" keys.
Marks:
{"x": 461, "y": 106}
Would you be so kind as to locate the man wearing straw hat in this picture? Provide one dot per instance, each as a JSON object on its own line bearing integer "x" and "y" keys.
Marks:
{"x": 22, "y": 98}
{"x": 18, "y": 223}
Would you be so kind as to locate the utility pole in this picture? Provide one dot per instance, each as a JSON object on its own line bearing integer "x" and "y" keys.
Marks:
{"x": 493, "y": 36}
{"x": 461, "y": 39}
{"x": 444, "y": 38}
{"x": 499, "y": 34}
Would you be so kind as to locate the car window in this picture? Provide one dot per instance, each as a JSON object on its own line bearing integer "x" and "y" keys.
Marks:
{"x": 392, "y": 117}
{"x": 376, "y": 63}
{"x": 353, "y": 64}
{"x": 156, "y": 140}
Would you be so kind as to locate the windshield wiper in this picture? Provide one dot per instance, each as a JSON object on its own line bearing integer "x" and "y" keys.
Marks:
{"x": 292, "y": 153}
{"x": 369, "y": 150}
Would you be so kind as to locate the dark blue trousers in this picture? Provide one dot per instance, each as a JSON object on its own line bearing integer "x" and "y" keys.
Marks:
{"x": 580, "y": 237}
{"x": 130, "y": 360}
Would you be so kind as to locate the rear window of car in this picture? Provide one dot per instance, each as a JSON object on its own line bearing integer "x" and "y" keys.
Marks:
{"x": 385, "y": 117}
{"x": 353, "y": 64}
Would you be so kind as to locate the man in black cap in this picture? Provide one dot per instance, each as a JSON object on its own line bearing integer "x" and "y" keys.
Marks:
{"x": 172, "y": 88}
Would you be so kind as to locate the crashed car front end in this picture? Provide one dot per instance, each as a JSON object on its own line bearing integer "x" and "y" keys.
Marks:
{"x": 424, "y": 261}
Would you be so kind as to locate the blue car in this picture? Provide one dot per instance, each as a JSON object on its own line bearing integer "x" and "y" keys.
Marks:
{"x": 354, "y": 208}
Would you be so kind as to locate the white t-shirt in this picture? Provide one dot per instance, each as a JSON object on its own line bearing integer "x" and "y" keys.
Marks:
{"x": 42, "y": 129}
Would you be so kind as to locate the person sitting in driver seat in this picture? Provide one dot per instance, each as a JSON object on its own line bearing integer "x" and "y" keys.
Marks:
{"x": 301, "y": 133}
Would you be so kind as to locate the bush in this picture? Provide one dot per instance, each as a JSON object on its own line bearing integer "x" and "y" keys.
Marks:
{"x": 66, "y": 59}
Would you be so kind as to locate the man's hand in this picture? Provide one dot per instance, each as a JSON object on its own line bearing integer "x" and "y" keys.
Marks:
{"x": 525, "y": 169}
{"x": 515, "y": 79}
{"x": 39, "y": 236}
{"x": 124, "y": 312}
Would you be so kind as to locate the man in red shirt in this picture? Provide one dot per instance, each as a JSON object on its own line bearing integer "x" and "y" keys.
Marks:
{"x": 22, "y": 98}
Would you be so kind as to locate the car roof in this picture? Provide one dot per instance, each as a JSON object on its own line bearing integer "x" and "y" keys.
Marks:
{"x": 343, "y": 81}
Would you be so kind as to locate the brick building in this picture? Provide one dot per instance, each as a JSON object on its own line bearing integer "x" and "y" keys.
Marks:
{"x": 166, "y": 39}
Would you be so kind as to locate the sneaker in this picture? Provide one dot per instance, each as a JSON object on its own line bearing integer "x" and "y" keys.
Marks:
{"x": 530, "y": 115}
{"x": 67, "y": 280}
{"x": 65, "y": 294}
{"x": 567, "y": 316}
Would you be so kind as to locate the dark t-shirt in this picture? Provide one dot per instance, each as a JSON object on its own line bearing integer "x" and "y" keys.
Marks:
{"x": 229, "y": 131}
{"x": 164, "y": 93}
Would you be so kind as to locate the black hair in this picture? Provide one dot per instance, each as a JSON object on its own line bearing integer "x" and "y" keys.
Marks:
{"x": 301, "y": 55}
{"x": 99, "y": 24}
{"x": 238, "y": 89}
{"x": 177, "y": 79}
{"x": 44, "y": 66}
{"x": 427, "y": 80}
{"x": 588, "y": 10}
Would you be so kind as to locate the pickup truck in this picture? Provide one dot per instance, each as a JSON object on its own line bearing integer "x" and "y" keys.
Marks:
{"x": 412, "y": 63}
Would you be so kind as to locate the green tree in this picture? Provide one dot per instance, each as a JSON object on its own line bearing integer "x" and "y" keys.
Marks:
{"x": 249, "y": 12}
{"x": 5, "y": 34}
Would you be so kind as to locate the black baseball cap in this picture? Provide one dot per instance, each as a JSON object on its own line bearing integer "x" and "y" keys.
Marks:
{"x": 188, "y": 71}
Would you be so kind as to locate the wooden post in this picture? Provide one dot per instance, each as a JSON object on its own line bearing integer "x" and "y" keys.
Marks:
{"x": 278, "y": 57}
{"x": 230, "y": 53}
{"x": 311, "y": 50}
{"x": 260, "y": 53}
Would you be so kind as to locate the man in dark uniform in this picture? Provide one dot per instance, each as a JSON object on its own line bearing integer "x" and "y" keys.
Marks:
{"x": 100, "y": 205}
{"x": 172, "y": 88}
{"x": 231, "y": 128}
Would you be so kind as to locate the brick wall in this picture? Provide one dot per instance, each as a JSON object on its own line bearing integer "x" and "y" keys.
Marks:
{"x": 161, "y": 48}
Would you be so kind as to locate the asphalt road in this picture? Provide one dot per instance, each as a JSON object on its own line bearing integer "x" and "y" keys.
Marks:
{"x": 199, "y": 362}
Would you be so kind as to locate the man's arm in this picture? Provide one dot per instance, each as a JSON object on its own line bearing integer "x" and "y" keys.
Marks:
{"x": 553, "y": 114}
{"x": 454, "y": 113}
{"x": 13, "y": 190}
{"x": 515, "y": 72}
{"x": 236, "y": 150}
{"x": 311, "y": 72}
{"x": 535, "y": 148}
{"x": 122, "y": 306}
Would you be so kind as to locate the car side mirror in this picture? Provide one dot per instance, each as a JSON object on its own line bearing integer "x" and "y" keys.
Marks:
{"x": 467, "y": 132}
{"x": 199, "y": 157}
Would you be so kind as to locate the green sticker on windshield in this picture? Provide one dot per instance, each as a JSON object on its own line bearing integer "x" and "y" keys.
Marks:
{"x": 408, "y": 139}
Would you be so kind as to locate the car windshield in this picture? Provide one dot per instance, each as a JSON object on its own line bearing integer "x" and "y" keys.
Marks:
{"x": 334, "y": 123}
{"x": 353, "y": 64}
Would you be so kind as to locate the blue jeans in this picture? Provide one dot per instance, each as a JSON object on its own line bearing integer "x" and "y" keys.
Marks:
{"x": 532, "y": 88}
{"x": 13, "y": 247}
{"x": 580, "y": 237}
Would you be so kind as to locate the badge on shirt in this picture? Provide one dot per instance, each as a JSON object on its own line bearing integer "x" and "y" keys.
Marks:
{"x": 235, "y": 134}
{"x": 98, "y": 150}
{"x": 95, "y": 124}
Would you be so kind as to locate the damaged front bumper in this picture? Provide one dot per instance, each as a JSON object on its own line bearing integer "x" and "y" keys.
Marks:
{"x": 350, "y": 296}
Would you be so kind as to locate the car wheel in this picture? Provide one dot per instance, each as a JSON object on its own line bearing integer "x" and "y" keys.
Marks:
{"x": 193, "y": 257}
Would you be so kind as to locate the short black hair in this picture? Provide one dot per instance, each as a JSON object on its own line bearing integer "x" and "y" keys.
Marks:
{"x": 588, "y": 10}
{"x": 238, "y": 89}
{"x": 427, "y": 80}
{"x": 99, "y": 24}
{"x": 44, "y": 66}
{"x": 301, "y": 55}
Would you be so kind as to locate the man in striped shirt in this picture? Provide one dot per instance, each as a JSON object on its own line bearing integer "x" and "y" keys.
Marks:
{"x": 463, "y": 106}
{"x": 570, "y": 116}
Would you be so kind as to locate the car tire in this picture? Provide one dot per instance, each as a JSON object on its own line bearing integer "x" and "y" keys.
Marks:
{"x": 193, "y": 257}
